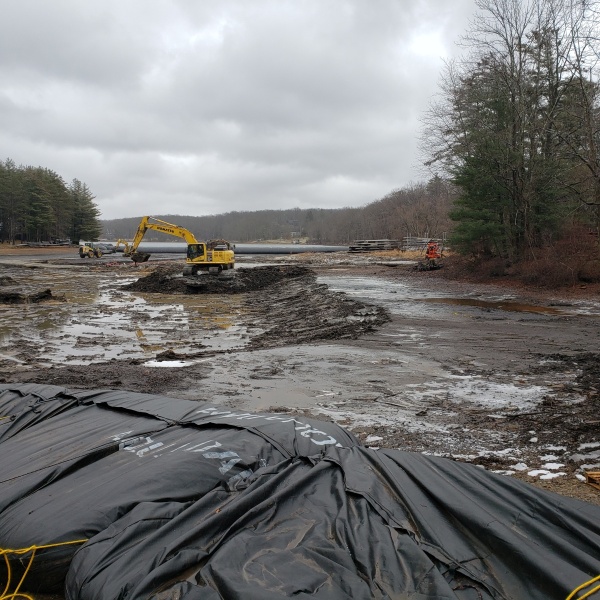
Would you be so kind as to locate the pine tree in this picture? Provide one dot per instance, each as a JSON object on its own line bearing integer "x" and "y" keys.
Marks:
{"x": 86, "y": 216}
{"x": 12, "y": 202}
{"x": 516, "y": 125}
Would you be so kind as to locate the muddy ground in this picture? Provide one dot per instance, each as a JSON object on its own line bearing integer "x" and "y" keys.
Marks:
{"x": 504, "y": 378}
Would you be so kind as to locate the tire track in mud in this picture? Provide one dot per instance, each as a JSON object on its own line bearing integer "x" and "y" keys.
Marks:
{"x": 300, "y": 311}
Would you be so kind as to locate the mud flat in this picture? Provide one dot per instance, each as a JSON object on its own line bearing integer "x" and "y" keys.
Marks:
{"x": 477, "y": 373}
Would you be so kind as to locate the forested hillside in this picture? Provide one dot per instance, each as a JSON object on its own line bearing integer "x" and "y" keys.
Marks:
{"x": 419, "y": 210}
{"x": 517, "y": 128}
{"x": 36, "y": 205}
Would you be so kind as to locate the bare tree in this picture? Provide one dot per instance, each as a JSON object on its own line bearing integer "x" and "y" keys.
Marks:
{"x": 509, "y": 110}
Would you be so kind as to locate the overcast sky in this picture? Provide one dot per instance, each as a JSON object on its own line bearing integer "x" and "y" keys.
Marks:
{"x": 202, "y": 107}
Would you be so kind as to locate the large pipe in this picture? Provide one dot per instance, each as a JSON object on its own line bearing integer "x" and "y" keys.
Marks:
{"x": 181, "y": 248}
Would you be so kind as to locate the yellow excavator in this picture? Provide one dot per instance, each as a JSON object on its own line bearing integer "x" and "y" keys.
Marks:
{"x": 125, "y": 246}
{"x": 213, "y": 256}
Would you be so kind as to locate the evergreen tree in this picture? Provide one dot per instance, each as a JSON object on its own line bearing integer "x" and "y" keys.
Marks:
{"x": 12, "y": 202}
{"x": 86, "y": 216}
{"x": 40, "y": 188}
{"x": 36, "y": 205}
{"x": 506, "y": 130}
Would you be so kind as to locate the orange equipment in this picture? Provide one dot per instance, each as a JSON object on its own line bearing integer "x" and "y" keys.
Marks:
{"x": 433, "y": 254}
{"x": 433, "y": 250}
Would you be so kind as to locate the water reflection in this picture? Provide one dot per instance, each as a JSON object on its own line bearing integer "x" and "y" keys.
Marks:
{"x": 496, "y": 305}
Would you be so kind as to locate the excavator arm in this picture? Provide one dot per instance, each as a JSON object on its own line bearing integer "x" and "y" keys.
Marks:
{"x": 125, "y": 246}
{"x": 159, "y": 225}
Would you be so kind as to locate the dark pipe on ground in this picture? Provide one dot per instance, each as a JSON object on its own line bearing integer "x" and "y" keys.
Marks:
{"x": 180, "y": 248}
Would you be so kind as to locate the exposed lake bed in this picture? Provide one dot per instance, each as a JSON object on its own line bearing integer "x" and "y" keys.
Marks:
{"x": 403, "y": 360}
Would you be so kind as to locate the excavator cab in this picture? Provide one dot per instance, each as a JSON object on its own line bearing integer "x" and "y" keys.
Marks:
{"x": 196, "y": 252}
{"x": 200, "y": 259}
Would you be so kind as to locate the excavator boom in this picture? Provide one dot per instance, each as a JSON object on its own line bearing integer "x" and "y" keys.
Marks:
{"x": 160, "y": 225}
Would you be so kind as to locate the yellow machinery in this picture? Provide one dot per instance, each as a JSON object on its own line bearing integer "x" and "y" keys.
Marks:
{"x": 125, "y": 246}
{"x": 87, "y": 249}
{"x": 213, "y": 256}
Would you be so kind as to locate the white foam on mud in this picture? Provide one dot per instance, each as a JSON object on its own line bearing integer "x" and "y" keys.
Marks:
{"x": 520, "y": 467}
{"x": 372, "y": 438}
{"x": 496, "y": 395}
{"x": 552, "y": 475}
{"x": 588, "y": 456}
{"x": 506, "y": 453}
{"x": 486, "y": 394}
{"x": 588, "y": 445}
{"x": 544, "y": 474}
{"x": 589, "y": 467}
{"x": 552, "y": 466}
{"x": 352, "y": 419}
{"x": 168, "y": 363}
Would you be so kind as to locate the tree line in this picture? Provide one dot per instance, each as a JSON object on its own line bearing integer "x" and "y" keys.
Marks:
{"x": 513, "y": 143}
{"x": 419, "y": 210}
{"x": 517, "y": 126}
{"x": 36, "y": 205}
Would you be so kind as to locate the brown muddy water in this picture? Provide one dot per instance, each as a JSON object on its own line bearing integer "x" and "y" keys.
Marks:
{"x": 497, "y": 305}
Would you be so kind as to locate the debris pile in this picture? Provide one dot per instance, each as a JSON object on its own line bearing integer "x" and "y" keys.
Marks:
{"x": 15, "y": 297}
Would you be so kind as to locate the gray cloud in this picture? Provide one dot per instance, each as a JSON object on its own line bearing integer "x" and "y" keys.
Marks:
{"x": 205, "y": 107}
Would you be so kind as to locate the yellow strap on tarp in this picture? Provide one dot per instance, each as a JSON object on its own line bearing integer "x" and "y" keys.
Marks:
{"x": 571, "y": 596}
{"x": 6, "y": 594}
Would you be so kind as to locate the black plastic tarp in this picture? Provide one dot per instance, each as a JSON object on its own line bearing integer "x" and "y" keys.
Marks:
{"x": 178, "y": 499}
{"x": 75, "y": 463}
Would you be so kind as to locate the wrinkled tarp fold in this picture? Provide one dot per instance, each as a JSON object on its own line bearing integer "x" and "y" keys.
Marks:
{"x": 179, "y": 499}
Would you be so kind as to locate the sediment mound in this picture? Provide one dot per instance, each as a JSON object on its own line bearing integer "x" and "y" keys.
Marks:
{"x": 16, "y": 297}
{"x": 284, "y": 303}
{"x": 167, "y": 279}
{"x": 300, "y": 310}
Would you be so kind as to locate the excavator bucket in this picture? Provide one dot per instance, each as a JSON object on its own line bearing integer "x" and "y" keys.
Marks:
{"x": 140, "y": 257}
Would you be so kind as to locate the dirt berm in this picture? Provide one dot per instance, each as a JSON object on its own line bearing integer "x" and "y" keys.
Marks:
{"x": 282, "y": 303}
{"x": 167, "y": 279}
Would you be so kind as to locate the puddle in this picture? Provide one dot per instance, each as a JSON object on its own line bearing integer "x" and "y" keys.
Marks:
{"x": 497, "y": 305}
{"x": 103, "y": 322}
{"x": 407, "y": 300}
{"x": 144, "y": 324}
